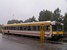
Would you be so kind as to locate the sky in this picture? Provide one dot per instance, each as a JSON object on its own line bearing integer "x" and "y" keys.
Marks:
{"x": 24, "y": 9}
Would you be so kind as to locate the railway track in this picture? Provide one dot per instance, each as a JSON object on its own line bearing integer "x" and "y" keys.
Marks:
{"x": 63, "y": 41}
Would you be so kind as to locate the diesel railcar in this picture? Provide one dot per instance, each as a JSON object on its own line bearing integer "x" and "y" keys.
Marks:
{"x": 52, "y": 29}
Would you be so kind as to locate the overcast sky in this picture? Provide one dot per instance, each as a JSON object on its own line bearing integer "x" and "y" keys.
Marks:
{"x": 24, "y": 9}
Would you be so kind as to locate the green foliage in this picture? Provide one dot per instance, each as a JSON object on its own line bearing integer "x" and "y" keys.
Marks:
{"x": 31, "y": 19}
{"x": 65, "y": 22}
{"x": 14, "y": 21}
{"x": 45, "y": 15}
{"x": 48, "y": 15}
{"x": 56, "y": 15}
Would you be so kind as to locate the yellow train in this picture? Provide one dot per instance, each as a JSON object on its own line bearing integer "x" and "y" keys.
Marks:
{"x": 51, "y": 29}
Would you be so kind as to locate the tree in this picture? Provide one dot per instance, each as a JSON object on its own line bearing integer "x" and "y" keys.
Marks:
{"x": 45, "y": 15}
{"x": 14, "y": 21}
{"x": 65, "y": 21}
{"x": 31, "y": 19}
{"x": 56, "y": 15}
{"x": 61, "y": 18}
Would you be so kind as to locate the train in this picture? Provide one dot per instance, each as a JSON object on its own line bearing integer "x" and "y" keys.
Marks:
{"x": 51, "y": 29}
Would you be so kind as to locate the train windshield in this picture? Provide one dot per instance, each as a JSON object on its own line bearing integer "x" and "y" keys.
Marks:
{"x": 57, "y": 27}
{"x": 54, "y": 27}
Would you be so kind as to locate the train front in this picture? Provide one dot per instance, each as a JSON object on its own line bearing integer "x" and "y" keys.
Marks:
{"x": 57, "y": 30}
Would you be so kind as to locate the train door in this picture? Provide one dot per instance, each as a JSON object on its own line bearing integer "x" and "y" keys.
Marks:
{"x": 48, "y": 30}
{"x": 45, "y": 31}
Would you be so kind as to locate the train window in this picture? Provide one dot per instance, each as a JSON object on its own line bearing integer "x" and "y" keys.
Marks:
{"x": 47, "y": 28}
{"x": 29, "y": 28}
{"x": 10, "y": 27}
{"x": 34, "y": 28}
{"x": 24, "y": 27}
{"x": 17, "y": 28}
{"x": 59, "y": 27}
{"x": 21, "y": 28}
{"x": 13, "y": 28}
{"x": 54, "y": 27}
{"x": 38, "y": 28}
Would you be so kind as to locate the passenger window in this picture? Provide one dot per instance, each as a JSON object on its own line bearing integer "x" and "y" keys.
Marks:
{"x": 13, "y": 28}
{"x": 10, "y": 28}
{"x": 21, "y": 28}
{"x": 38, "y": 28}
{"x": 25, "y": 28}
{"x": 16, "y": 28}
{"x": 35, "y": 28}
{"x": 29, "y": 28}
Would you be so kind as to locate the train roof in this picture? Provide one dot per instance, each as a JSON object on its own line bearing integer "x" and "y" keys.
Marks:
{"x": 33, "y": 23}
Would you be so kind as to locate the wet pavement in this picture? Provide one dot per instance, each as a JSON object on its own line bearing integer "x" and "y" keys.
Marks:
{"x": 12, "y": 42}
